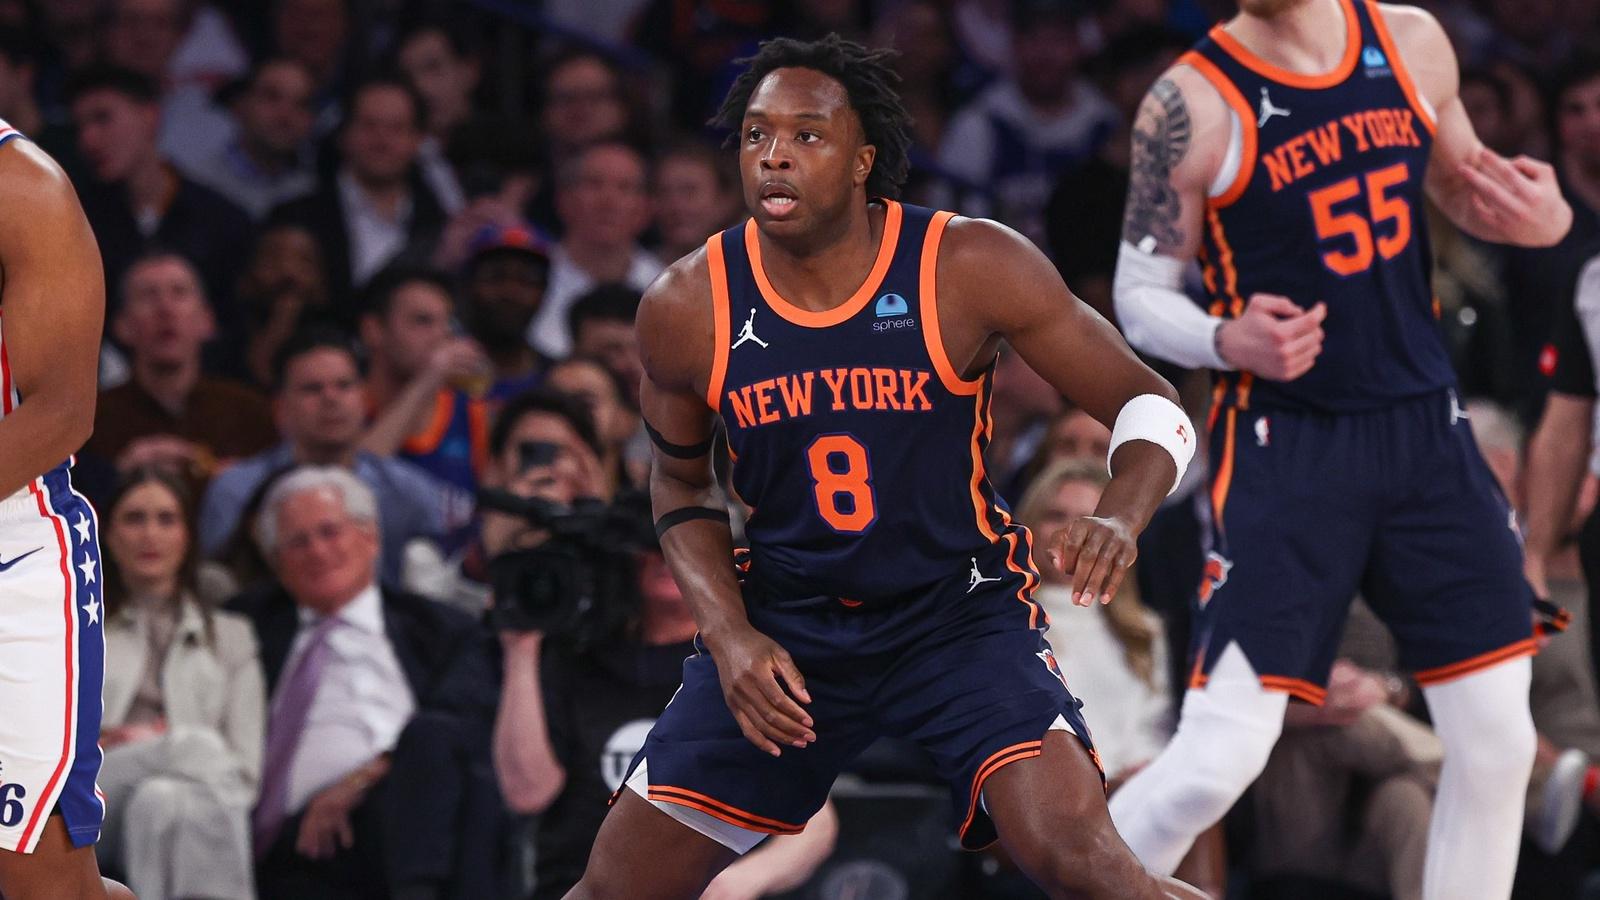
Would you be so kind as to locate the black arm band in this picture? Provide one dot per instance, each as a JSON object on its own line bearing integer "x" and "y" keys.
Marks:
{"x": 687, "y": 513}
{"x": 679, "y": 451}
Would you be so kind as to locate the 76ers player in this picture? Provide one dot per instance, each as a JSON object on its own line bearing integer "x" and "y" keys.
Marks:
{"x": 848, "y": 343}
{"x": 52, "y": 300}
{"x": 1295, "y": 149}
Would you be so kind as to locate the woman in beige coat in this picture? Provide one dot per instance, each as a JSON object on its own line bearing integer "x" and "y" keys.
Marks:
{"x": 184, "y": 707}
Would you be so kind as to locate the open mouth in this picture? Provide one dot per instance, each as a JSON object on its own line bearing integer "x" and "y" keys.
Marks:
{"x": 778, "y": 199}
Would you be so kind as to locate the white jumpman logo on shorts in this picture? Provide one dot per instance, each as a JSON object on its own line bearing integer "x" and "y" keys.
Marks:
{"x": 977, "y": 577}
{"x": 1268, "y": 110}
{"x": 748, "y": 333}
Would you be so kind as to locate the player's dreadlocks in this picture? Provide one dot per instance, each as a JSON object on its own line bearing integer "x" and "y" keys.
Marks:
{"x": 869, "y": 80}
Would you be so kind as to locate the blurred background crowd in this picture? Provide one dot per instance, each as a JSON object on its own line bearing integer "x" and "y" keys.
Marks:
{"x": 384, "y": 613}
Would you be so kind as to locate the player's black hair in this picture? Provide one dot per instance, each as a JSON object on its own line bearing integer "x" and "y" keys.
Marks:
{"x": 869, "y": 79}
{"x": 309, "y": 340}
{"x": 105, "y": 77}
{"x": 542, "y": 400}
{"x": 611, "y": 302}
{"x": 377, "y": 299}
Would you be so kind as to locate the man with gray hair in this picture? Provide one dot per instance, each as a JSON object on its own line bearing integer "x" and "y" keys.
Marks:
{"x": 381, "y": 705}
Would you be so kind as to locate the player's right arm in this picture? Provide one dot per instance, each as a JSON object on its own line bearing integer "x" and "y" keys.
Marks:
{"x": 52, "y": 307}
{"x": 1180, "y": 140}
{"x": 677, "y": 341}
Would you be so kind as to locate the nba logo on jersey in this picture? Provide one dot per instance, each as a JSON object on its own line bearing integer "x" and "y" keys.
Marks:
{"x": 890, "y": 305}
{"x": 1372, "y": 59}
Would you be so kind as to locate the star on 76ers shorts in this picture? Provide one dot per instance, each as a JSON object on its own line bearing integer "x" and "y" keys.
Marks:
{"x": 52, "y": 660}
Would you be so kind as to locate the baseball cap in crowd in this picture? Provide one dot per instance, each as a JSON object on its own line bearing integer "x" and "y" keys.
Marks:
{"x": 518, "y": 238}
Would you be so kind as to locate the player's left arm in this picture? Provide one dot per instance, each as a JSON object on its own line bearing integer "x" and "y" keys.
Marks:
{"x": 1509, "y": 201}
{"x": 53, "y": 307}
{"x": 995, "y": 282}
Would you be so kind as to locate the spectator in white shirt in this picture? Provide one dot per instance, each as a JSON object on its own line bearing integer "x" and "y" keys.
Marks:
{"x": 379, "y": 702}
{"x": 603, "y": 200}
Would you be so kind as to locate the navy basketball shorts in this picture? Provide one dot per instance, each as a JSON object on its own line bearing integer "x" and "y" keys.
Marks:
{"x": 1310, "y": 509}
{"x": 961, "y": 667}
{"x": 52, "y": 662}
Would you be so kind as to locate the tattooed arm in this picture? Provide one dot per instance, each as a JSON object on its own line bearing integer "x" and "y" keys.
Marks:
{"x": 1180, "y": 139}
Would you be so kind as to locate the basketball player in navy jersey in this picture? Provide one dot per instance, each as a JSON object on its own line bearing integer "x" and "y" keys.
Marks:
{"x": 1294, "y": 150}
{"x": 52, "y": 650}
{"x": 847, "y": 342}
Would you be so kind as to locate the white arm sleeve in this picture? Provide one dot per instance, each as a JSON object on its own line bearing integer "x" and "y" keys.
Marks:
{"x": 1157, "y": 317}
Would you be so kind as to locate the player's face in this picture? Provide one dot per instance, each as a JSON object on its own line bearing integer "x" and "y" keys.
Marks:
{"x": 324, "y": 557}
{"x": 802, "y": 155}
{"x": 320, "y": 404}
{"x": 148, "y": 538}
{"x": 417, "y": 323}
{"x": 1073, "y": 499}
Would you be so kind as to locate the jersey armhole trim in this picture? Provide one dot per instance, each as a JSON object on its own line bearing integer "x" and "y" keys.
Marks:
{"x": 1240, "y": 179}
{"x": 928, "y": 299}
{"x": 1402, "y": 76}
{"x": 720, "y": 330}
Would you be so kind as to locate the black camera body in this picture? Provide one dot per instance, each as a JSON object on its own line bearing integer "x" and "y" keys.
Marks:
{"x": 582, "y": 582}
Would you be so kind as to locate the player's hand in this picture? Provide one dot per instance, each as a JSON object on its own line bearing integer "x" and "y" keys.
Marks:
{"x": 325, "y": 827}
{"x": 755, "y": 671}
{"x": 1352, "y": 691}
{"x": 1517, "y": 199}
{"x": 1097, "y": 552}
{"x": 1274, "y": 337}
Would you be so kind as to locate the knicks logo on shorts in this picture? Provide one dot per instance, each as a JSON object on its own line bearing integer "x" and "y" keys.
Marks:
{"x": 1049, "y": 660}
{"x": 1214, "y": 575}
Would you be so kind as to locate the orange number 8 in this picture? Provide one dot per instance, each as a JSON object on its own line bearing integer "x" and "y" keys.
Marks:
{"x": 854, "y": 482}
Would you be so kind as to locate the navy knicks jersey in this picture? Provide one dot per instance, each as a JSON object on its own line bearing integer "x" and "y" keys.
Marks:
{"x": 857, "y": 444}
{"x": 1326, "y": 205}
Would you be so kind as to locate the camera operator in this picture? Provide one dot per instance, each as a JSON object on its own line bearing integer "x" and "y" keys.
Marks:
{"x": 543, "y": 446}
{"x": 579, "y": 695}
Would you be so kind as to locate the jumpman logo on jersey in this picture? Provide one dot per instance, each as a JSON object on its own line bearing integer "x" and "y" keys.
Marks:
{"x": 977, "y": 577}
{"x": 1268, "y": 110}
{"x": 748, "y": 333}
{"x": 1456, "y": 412}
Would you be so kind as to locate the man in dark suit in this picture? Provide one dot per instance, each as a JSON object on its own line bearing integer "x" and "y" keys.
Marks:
{"x": 376, "y": 780}
{"x": 374, "y": 208}
{"x": 136, "y": 200}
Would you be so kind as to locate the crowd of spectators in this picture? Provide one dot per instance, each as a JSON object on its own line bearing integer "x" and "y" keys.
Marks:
{"x": 372, "y": 270}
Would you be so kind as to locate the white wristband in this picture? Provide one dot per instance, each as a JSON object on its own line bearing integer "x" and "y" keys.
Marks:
{"x": 1153, "y": 418}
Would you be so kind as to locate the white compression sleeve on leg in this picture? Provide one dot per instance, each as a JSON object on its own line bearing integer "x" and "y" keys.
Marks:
{"x": 1153, "y": 418}
{"x": 1489, "y": 743}
{"x": 1157, "y": 316}
{"x": 1225, "y": 734}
